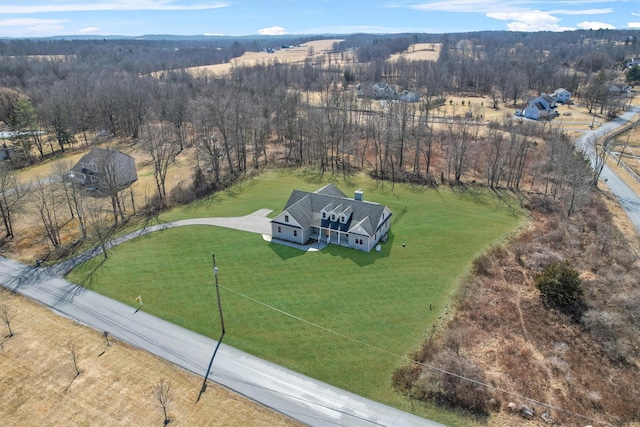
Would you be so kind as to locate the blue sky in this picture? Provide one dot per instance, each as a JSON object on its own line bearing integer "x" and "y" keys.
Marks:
{"x": 41, "y": 18}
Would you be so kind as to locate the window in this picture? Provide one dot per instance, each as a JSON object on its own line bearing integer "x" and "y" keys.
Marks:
{"x": 342, "y": 219}
{"x": 295, "y": 233}
{"x": 324, "y": 215}
{"x": 286, "y": 218}
{"x": 279, "y": 229}
{"x": 333, "y": 217}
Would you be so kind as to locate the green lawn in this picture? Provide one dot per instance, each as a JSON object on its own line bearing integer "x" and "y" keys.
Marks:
{"x": 381, "y": 298}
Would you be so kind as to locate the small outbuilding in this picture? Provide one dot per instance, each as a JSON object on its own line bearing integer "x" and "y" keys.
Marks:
{"x": 561, "y": 95}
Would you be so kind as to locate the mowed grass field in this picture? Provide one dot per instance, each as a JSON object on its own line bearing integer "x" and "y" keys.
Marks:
{"x": 363, "y": 312}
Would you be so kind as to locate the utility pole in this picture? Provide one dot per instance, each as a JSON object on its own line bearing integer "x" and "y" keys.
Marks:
{"x": 215, "y": 274}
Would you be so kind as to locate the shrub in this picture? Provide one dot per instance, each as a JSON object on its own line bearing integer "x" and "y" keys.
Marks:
{"x": 463, "y": 389}
{"x": 560, "y": 286}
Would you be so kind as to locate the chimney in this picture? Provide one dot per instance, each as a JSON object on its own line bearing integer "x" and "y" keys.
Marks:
{"x": 358, "y": 195}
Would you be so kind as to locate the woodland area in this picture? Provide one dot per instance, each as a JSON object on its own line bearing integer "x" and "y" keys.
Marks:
{"x": 64, "y": 96}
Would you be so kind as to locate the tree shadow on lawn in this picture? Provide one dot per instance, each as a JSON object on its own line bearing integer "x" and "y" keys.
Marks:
{"x": 88, "y": 280}
{"x": 317, "y": 177}
{"x": 508, "y": 198}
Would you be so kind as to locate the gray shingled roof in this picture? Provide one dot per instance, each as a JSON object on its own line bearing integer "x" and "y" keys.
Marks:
{"x": 304, "y": 207}
{"x": 96, "y": 159}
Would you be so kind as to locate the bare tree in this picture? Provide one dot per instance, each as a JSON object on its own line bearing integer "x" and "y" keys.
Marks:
{"x": 599, "y": 153}
{"x": 163, "y": 393}
{"x": 47, "y": 202}
{"x": 578, "y": 181}
{"x": 74, "y": 356}
{"x": 97, "y": 217}
{"x": 6, "y": 314}
{"x": 72, "y": 192}
{"x": 175, "y": 99}
{"x": 163, "y": 152}
{"x": 111, "y": 182}
{"x": 11, "y": 197}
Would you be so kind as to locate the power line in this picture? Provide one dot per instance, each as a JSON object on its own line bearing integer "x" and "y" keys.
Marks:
{"x": 435, "y": 368}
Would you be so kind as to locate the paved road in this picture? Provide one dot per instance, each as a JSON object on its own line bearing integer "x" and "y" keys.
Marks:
{"x": 302, "y": 398}
{"x": 629, "y": 199}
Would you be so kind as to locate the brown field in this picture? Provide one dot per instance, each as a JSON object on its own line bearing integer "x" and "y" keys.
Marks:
{"x": 419, "y": 52}
{"x": 291, "y": 55}
{"x": 298, "y": 54}
{"x": 39, "y": 386}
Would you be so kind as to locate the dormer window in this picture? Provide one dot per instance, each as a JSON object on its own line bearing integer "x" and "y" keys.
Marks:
{"x": 343, "y": 218}
{"x": 286, "y": 218}
{"x": 333, "y": 217}
{"x": 324, "y": 215}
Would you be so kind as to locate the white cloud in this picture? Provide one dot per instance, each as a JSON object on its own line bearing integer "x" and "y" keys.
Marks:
{"x": 530, "y": 21}
{"x": 465, "y": 6}
{"x": 29, "y": 22}
{"x": 272, "y": 31}
{"x": 633, "y": 25}
{"x": 592, "y": 25}
{"x": 88, "y": 30}
{"x": 212, "y": 34}
{"x": 582, "y": 12}
{"x": 115, "y": 5}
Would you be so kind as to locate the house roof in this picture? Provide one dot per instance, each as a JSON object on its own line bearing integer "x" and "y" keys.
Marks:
{"x": 108, "y": 168}
{"x": 305, "y": 207}
{"x": 96, "y": 155}
{"x": 547, "y": 98}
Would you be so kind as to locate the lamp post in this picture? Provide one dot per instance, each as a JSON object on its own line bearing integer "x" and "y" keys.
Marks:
{"x": 215, "y": 274}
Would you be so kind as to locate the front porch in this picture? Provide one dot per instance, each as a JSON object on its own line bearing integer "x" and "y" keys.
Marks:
{"x": 329, "y": 236}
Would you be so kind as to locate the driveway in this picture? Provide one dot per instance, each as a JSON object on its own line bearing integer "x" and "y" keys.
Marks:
{"x": 256, "y": 222}
{"x": 302, "y": 398}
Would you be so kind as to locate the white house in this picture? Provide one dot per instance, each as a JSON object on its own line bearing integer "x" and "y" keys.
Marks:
{"x": 620, "y": 89}
{"x": 376, "y": 90}
{"x": 542, "y": 107}
{"x": 328, "y": 215}
{"x": 561, "y": 95}
{"x": 408, "y": 96}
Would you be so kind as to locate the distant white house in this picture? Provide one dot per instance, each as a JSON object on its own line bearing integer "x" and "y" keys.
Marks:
{"x": 628, "y": 63}
{"x": 376, "y": 90}
{"x": 408, "y": 96}
{"x": 620, "y": 89}
{"x": 540, "y": 108}
{"x": 561, "y": 95}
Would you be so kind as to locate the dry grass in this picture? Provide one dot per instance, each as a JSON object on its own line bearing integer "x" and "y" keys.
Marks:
{"x": 29, "y": 243}
{"x": 293, "y": 55}
{"x": 419, "y": 52}
{"x": 501, "y": 325}
{"x": 321, "y": 48}
{"x": 39, "y": 386}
